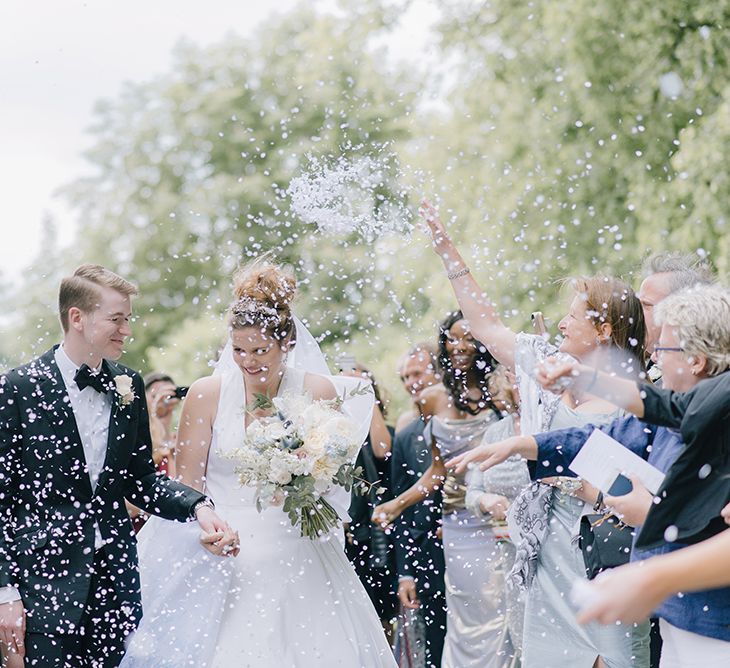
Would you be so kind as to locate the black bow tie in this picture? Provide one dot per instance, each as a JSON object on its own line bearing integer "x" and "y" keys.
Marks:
{"x": 99, "y": 381}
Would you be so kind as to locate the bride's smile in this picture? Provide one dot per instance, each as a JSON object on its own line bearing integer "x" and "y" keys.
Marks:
{"x": 260, "y": 356}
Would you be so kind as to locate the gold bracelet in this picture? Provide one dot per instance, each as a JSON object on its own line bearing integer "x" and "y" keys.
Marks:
{"x": 458, "y": 274}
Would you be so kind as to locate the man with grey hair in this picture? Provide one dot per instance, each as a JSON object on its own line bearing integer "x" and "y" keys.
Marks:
{"x": 663, "y": 274}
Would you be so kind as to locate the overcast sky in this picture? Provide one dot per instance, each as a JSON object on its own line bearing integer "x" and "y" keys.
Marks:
{"x": 57, "y": 57}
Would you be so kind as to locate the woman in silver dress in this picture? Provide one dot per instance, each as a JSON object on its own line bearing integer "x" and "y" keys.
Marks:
{"x": 475, "y": 558}
{"x": 489, "y": 495}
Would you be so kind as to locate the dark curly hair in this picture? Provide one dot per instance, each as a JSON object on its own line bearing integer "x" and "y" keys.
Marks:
{"x": 459, "y": 384}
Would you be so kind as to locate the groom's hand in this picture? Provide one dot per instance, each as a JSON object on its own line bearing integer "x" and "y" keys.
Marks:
{"x": 217, "y": 537}
{"x": 12, "y": 627}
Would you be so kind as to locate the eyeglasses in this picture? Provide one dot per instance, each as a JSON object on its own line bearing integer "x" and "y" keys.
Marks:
{"x": 667, "y": 349}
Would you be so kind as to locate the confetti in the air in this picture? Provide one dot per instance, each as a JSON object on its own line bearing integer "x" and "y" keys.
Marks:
{"x": 350, "y": 195}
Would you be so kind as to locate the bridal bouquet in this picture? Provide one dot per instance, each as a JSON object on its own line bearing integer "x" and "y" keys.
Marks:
{"x": 296, "y": 455}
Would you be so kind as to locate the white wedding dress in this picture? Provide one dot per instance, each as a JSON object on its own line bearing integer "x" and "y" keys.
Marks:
{"x": 285, "y": 601}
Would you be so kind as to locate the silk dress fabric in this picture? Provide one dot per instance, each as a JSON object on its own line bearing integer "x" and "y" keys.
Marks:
{"x": 506, "y": 479}
{"x": 285, "y": 600}
{"x": 552, "y": 638}
{"x": 476, "y": 562}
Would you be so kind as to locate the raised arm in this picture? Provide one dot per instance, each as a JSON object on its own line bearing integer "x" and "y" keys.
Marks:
{"x": 476, "y": 306}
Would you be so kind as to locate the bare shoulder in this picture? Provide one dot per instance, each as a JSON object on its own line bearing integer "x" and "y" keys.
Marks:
{"x": 434, "y": 401}
{"x": 319, "y": 386}
{"x": 203, "y": 394}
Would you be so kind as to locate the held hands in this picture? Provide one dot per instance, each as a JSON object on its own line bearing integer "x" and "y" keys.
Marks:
{"x": 12, "y": 628}
{"x": 407, "y": 594}
{"x": 487, "y": 455}
{"x": 216, "y": 536}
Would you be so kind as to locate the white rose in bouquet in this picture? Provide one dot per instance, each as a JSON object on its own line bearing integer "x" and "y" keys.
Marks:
{"x": 275, "y": 430}
{"x": 315, "y": 442}
{"x": 279, "y": 473}
{"x": 314, "y": 415}
{"x": 296, "y": 456}
{"x": 323, "y": 471}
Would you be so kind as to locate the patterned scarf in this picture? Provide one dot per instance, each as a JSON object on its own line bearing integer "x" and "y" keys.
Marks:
{"x": 528, "y": 524}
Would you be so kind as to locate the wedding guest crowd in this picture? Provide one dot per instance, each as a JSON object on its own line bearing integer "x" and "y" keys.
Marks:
{"x": 675, "y": 332}
{"x": 468, "y": 538}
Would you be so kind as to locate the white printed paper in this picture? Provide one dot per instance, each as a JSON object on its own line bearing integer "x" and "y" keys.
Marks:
{"x": 602, "y": 459}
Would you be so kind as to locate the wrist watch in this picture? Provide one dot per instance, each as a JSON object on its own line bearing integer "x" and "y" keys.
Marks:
{"x": 598, "y": 505}
{"x": 205, "y": 502}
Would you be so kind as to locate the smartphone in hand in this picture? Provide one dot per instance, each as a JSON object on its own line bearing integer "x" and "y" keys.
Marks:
{"x": 538, "y": 322}
{"x": 622, "y": 485}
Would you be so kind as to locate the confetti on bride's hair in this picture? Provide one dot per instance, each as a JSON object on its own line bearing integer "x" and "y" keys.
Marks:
{"x": 344, "y": 196}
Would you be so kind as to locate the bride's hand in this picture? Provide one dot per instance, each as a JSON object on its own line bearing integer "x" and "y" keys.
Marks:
{"x": 386, "y": 513}
{"x": 439, "y": 236}
{"x": 217, "y": 536}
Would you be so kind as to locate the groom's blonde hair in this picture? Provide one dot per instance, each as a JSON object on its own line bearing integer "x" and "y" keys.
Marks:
{"x": 82, "y": 289}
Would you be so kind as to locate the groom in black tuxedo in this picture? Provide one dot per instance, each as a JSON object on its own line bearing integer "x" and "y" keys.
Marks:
{"x": 74, "y": 444}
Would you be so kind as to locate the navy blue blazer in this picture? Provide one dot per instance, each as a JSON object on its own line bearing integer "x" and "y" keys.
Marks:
{"x": 419, "y": 553}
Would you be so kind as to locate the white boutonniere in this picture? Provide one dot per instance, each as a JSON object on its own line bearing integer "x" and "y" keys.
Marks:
{"x": 124, "y": 389}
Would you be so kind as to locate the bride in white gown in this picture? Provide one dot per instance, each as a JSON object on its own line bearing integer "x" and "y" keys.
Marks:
{"x": 285, "y": 600}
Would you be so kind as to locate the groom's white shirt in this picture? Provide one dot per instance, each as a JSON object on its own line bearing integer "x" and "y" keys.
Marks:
{"x": 92, "y": 411}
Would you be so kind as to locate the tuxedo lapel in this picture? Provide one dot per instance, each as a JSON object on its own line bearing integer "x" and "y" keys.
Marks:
{"x": 54, "y": 402}
{"x": 119, "y": 425}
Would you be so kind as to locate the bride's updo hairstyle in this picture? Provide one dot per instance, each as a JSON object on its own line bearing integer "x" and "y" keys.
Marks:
{"x": 263, "y": 292}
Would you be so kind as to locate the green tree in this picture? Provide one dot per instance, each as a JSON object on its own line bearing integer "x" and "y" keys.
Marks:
{"x": 191, "y": 168}
{"x": 31, "y": 325}
{"x": 562, "y": 150}
{"x": 558, "y": 139}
